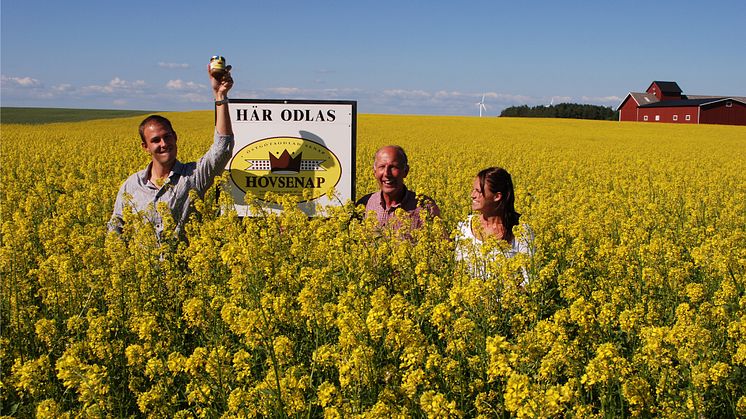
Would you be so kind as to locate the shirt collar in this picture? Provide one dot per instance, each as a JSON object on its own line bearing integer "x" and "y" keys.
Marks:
{"x": 404, "y": 199}
{"x": 178, "y": 169}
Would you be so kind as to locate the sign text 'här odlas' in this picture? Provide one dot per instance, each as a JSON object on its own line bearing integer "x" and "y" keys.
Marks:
{"x": 288, "y": 115}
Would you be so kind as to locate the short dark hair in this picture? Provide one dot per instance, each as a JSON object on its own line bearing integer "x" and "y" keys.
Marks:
{"x": 154, "y": 119}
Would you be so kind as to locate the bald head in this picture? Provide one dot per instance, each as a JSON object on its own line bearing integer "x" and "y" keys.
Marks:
{"x": 392, "y": 150}
{"x": 390, "y": 167}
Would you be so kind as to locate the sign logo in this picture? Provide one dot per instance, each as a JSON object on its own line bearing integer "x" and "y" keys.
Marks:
{"x": 285, "y": 165}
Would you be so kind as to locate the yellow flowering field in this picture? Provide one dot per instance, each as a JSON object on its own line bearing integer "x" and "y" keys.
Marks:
{"x": 635, "y": 305}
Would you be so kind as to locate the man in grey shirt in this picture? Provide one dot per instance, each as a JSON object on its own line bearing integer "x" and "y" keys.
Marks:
{"x": 168, "y": 180}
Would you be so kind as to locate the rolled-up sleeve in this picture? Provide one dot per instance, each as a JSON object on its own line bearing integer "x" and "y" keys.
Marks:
{"x": 213, "y": 161}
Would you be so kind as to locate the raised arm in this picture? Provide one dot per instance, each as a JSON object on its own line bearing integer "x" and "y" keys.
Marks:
{"x": 221, "y": 84}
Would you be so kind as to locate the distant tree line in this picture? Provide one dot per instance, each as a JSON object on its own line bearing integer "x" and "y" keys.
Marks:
{"x": 563, "y": 110}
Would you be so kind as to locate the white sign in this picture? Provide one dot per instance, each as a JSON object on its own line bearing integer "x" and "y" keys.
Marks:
{"x": 298, "y": 147}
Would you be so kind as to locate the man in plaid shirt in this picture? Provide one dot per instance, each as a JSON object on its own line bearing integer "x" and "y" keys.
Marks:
{"x": 390, "y": 167}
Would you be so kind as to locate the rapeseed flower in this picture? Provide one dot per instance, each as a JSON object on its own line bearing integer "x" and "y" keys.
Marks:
{"x": 634, "y": 304}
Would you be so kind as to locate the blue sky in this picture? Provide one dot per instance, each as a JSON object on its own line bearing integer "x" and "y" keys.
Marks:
{"x": 395, "y": 57}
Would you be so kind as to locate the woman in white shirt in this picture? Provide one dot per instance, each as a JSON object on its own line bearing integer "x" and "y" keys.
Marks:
{"x": 493, "y": 200}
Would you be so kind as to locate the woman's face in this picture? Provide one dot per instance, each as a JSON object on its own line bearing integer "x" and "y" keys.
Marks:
{"x": 483, "y": 200}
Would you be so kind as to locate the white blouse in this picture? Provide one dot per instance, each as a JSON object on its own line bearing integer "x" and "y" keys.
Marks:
{"x": 468, "y": 247}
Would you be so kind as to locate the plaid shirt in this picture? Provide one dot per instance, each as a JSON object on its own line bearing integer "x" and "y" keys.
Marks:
{"x": 411, "y": 203}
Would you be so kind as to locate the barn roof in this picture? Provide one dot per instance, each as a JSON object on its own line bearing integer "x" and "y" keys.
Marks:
{"x": 667, "y": 86}
{"x": 639, "y": 98}
{"x": 738, "y": 98}
{"x": 643, "y": 98}
{"x": 688, "y": 102}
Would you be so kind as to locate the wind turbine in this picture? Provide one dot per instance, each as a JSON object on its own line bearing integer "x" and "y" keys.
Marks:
{"x": 481, "y": 106}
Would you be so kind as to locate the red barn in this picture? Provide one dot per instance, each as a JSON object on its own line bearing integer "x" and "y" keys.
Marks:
{"x": 663, "y": 101}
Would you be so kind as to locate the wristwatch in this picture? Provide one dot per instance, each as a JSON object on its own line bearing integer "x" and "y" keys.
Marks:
{"x": 221, "y": 102}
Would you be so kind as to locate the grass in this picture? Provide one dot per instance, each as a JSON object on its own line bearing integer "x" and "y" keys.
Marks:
{"x": 13, "y": 115}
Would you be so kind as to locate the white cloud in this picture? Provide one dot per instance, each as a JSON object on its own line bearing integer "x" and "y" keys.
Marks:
{"x": 442, "y": 94}
{"x": 118, "y": 83}
{"x": 178, "y": 94}
{"x": 195, "y": 98}
{"x": 513, "y": 99}
{"x": 340, "y": 94}
{"x": 556, "y": 100}
{"x": 397, "y": 100}
{"x": 63, "y": 88}
{"x": 96, "y": 89}
{"x": 407, "y": 94}
{"x": 173, "y": 65}
{"x": 286, "y": 90}
{"x": 116, "y": 86}
{"x": 603, "y": 100}
{"x": 182, "y": 85}
{"x": 23, "y": 82}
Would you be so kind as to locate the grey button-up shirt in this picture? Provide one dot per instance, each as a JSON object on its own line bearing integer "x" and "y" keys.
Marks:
{"x": 139, "y": 193}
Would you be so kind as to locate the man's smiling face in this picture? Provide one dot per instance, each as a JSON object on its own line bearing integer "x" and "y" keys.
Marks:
{"x": 160, "y": 143}
{"x": 390, "y": 169}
